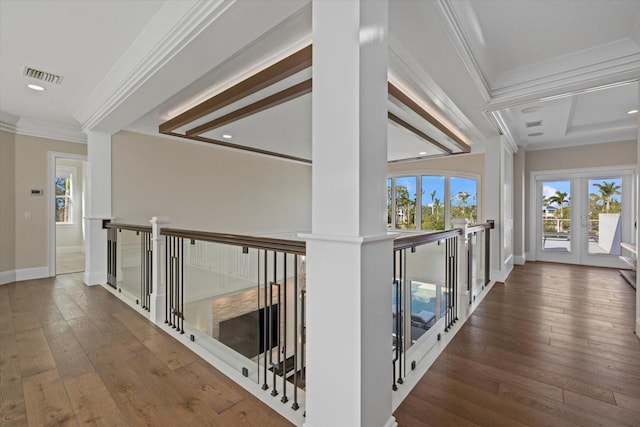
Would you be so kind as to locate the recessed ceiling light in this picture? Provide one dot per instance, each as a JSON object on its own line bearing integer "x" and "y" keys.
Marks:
{"x": 422, "y": 153}
{"x": 632, "y": 111}
{"x": 35, "y": 87}
{"x": 535, "y": 134}
{"x": 227, "y": 136}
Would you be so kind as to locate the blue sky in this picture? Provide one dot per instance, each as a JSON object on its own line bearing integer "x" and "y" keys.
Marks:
{"x": 549, "y": 187}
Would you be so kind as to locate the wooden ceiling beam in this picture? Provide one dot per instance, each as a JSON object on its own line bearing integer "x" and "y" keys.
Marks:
{"x": 406, "y": 100}
{"x": 276, "y": 99}
{"x": 418, "y": 132}
{"x": 287, "y": 67}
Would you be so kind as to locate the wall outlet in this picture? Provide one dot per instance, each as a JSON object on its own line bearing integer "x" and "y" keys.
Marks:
{"x": 27, "y": 215}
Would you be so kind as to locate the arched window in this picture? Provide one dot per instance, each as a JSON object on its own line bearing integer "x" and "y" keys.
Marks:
{"x": 430, "y": 201}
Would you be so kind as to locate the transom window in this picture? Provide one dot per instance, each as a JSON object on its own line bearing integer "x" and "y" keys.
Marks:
{"x": 430, "y": 201}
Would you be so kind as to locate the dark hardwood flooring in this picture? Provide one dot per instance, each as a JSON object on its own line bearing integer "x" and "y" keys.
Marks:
{"x": 553, "y": 346}
{"x": 76, "y": 355}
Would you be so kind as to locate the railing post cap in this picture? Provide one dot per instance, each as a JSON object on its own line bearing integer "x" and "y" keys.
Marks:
{"x": 159, "y": 220}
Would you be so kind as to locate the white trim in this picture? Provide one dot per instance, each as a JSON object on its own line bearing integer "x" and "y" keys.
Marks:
{"x": 520, "y": 259}
{"x": 600, "y": 65}
{"x": 180, "y": 27}
{"x": 51, "y": 212}
{"x": 95, "y": 278}
{"x": 7, "y": 277}
{"x": 461, "y": 43}
{"x": 563, "y": 174}
{"x": 31, "y": 273}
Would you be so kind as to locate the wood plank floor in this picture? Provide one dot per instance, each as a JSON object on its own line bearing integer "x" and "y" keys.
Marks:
{"x": 76, "y": 355}
{"x": 553, "y": 346}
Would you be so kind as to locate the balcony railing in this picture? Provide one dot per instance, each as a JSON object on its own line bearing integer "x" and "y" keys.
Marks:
{"x": 129, "y": 261}
{"x": 244, "y": 293}
{"x": 243, "y": 298}
{"x": 427, "y": 272}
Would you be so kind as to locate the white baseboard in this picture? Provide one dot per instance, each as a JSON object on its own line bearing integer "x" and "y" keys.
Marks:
{"x": 7, "y": 277}
{"x": 529, "y": 257}
{"x": 32, "y": 273}
{"x": 95, "y": 278}
{"x": 69, "y": 249}
{"x": 520, "y": 259}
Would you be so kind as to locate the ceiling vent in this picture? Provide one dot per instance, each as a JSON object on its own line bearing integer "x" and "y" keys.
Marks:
{"x": 533, "y": 124}
{"x": 42, "y": 75}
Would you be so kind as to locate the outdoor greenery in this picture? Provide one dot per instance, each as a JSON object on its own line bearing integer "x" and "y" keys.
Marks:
{"x": 63, "y": 199}
{"x": 599, "y": 203}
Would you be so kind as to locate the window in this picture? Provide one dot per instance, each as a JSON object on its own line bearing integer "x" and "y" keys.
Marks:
{"x": 441, "y": 198}
{"x": 64, "y": 195}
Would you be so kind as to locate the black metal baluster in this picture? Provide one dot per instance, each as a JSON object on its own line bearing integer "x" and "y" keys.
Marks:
{"x": 454, "y": 261}
{"x": 167, "y": 275}
{"x": 274, "y": 367}
{"x": 283, "y": 334}
{"x": 181, "y": 284}
{"x": 265, "y": 386}
{"x": 295, "y": 405}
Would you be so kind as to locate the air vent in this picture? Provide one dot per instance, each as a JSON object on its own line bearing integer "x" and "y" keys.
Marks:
{"x": 533, "y": 124}
{"x": 42, "y": 75}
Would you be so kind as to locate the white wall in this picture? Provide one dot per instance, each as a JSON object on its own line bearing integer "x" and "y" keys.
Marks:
{"x": 205, "y": 187}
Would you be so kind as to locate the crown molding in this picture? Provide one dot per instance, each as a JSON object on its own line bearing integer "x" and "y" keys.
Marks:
{"x": 497, "y": 119}
{"x": 601, "y": 65}
{"x": 462, "y": 45}
{"x": 173, "y": 27}
{"x": 30, "y": 127}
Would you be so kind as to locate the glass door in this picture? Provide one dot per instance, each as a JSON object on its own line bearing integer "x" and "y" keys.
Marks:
{"x": 583, "y": 217}
{"x": 557, "y": 241}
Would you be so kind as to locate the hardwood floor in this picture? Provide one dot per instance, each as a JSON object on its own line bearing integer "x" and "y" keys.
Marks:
{"x": 76, "y": 355}
{"x": 553, "y": 346}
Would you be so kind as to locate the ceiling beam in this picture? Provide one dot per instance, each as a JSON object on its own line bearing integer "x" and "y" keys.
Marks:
{"x": 406, "y": 100}
{"x": 276, "y": 99}
{"x": 287, "y": 67}
{"x": 418, "y": 132}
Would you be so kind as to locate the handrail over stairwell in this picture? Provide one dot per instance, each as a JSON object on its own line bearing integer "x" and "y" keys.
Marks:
{"x": 268, "y": 243}
{"x": 131, "y": 227}
{"x": 405, "y": 242}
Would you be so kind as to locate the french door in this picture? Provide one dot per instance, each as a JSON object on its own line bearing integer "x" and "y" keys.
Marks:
{"x": 583, "y": 216}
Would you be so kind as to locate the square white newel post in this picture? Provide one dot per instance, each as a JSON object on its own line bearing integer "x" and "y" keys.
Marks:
{"x": 349, "y": 253}
{"x": 463, "y": 271}
{"x": 158, "y": 279}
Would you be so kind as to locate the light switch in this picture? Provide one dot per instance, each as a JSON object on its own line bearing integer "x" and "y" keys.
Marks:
{"x": 27, "y": 215}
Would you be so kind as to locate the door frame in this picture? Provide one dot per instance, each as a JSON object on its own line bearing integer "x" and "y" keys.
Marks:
{"x": 51, "y": 212}
{"x": 572, "y": 174}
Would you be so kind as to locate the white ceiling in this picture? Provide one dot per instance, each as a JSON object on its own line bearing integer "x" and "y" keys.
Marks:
{"x": 475, "y": 64}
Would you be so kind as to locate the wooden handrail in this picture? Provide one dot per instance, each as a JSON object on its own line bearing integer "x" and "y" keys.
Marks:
{"x": 479, "y": 227}
{"x": 131, "y": 227}
{"x": 283, "y": 245}
{"x": 405, "y": 242}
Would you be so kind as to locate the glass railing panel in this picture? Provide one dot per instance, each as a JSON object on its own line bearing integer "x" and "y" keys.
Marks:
{"x": 477, "y": 270}
{"x": 246, "y": 306}
{"x": 129, "y": 264}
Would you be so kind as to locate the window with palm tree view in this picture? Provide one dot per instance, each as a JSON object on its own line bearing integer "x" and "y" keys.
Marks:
{"x": 430, "y": 202}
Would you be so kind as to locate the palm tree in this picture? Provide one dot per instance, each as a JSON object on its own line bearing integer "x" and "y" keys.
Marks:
{"x": 433, "y": 197}
{"x": 462, "y": 196}
{"x": 560, "y": 198}
{"x": 607, "y": 191}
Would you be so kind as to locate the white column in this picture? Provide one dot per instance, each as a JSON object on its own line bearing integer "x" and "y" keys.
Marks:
{"x": 349, "y": 254}
{"x": 98, "y": 206}
{"x": 158, "y": 279}
{"x": 498, "y": 202}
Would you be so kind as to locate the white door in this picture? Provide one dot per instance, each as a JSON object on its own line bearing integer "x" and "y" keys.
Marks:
{"x": 582, "y": 217}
